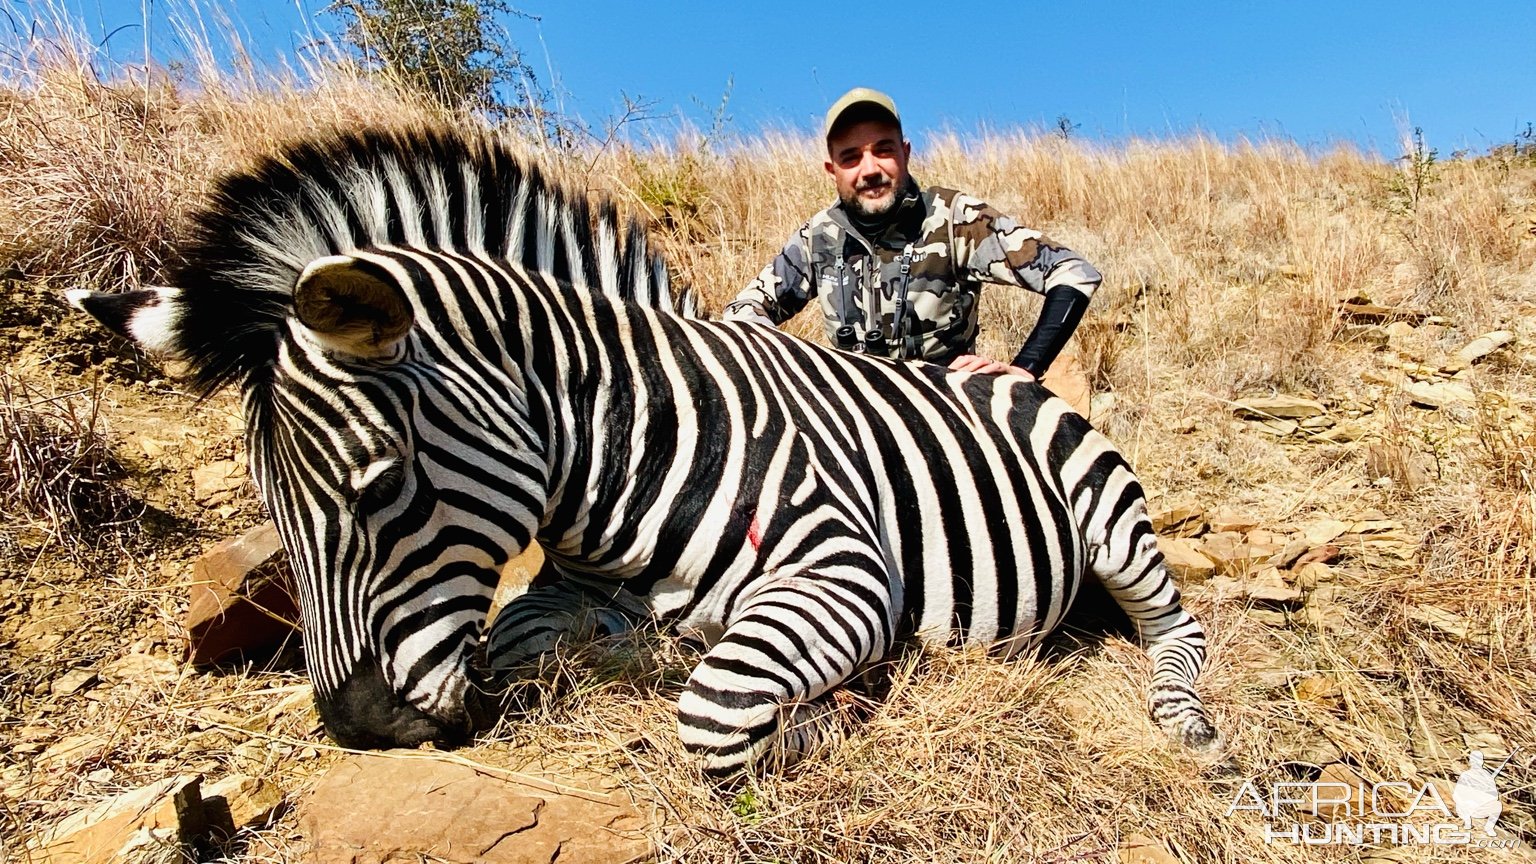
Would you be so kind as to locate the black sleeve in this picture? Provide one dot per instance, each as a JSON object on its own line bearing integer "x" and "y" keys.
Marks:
{"x": 1064, "y": 307}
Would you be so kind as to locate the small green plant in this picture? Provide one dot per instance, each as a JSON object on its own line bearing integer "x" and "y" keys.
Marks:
{"x": 747, "y": 807}
{"x": 1418, "y": 172}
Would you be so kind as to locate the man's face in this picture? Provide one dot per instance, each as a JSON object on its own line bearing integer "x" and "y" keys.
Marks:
{"x": 868, "y": 162}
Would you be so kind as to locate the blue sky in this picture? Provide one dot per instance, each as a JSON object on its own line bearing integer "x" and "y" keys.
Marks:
{"x": 1314, "y": 72}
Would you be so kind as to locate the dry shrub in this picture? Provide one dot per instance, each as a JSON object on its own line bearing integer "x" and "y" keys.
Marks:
{"x": 57, "y": 465}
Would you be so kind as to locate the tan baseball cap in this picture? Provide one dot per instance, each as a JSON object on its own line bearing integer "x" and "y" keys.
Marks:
{"x": 858, "y": 96}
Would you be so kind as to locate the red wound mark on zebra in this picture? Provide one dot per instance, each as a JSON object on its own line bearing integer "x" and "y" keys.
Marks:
{"x": 755, "y": 533}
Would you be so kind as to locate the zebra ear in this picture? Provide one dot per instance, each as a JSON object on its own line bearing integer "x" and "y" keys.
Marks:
{"x": 354, "y": 306}
{"x": 150, "y": 318}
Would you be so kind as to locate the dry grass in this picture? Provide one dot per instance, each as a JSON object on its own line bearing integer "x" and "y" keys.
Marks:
{"x": 1224, "y": 264}
{"x": 57, "y": 467}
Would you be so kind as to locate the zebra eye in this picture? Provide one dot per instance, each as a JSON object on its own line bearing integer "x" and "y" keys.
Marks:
{"x": 377, "y": 486}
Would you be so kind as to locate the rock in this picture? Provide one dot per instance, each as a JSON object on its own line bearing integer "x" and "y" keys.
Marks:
{"x": 1311, "y": 574}
{"x": 1320, "y": 422}
{"x": 1274, "y": 595}
{"x": 1484, "y": 345}
{"x": 242, "y": 602}
{"x": 238, "y": 802}
{"x": 1277, "y": 428}
{"x": 1401, "y": 464}
{"x": 1225, "y": 521}
{"x": 73, "y": 681}
{"x": 168, "y": 813}
{"x": 217, "y": 482}
{"x": 1185, "y": 560}
{"x": 1325, "y": 554}
{"x": 1321, "y": 690}
{"x": 1099, "y": 408}
{"x": 1399, "y": 330}
{"x": 1342, "y": 433}
{"x": 1177, "y": 519}
{"x": 1323, "y": 531}
{"x": 1141, "y": 849}
{"x": 140, "y": 669}
{"x": 1359, "y": 310}
{"x": 1367, "y": 334}
{"x": 397, "y": 807}
{"x": 1442, "y": 620}
{"x": 1289, "y": 554}
{"x": 74, "y": 750}
{"x": 1325, "y": 808}
{"x": 1279, "y": 407}
{"x": 1440, "y": 394}
{"x": 1233, "y": 555}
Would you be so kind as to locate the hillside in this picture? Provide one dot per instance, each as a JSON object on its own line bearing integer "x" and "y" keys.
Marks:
{"x": 1234, "y": 273}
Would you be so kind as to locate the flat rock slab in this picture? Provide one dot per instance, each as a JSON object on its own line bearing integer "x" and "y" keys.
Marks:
{"x": 242, "y": 599}
{"x": 401, "y": 807}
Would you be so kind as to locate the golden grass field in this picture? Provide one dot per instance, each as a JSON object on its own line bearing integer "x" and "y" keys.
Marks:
{"x": 1225, "y": 266}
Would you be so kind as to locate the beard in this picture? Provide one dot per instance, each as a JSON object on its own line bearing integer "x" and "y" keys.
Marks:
{"x": 876, "y": 208}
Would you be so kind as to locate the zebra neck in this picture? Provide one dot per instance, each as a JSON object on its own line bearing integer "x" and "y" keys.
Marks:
{"x": 615, "y": 429}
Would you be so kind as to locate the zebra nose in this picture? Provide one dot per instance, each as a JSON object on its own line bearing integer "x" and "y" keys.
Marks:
{"x": 365, "y": 714}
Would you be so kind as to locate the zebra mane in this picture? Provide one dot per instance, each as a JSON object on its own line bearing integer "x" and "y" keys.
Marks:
{"x": 337, "y": 192}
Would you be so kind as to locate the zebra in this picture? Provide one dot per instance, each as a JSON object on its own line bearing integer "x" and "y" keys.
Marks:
{"x": 444, "y": 356}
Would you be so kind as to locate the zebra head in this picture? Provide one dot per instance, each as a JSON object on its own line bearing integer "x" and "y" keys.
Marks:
{"x": 359, "y": 289}
{"x": 379, "y": 474}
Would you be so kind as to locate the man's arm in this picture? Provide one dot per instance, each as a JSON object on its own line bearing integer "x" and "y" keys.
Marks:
{"x": 998, "y": 249}
{"x": 781, "y": 290}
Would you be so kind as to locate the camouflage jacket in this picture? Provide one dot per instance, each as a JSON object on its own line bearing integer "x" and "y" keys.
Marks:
{"x": 922, "y": 273}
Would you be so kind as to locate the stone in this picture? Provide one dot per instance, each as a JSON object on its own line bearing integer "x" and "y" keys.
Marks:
{"x": 1224, "y": 521}
{"x": 74, "y": 750}
{"x": 1366, "y": 334}
{"x": 239, "y": 802}
{"x": 1311, "y": 574}
{"x": 217, "y": 482}
{"x": 1235, "y": 557}
{"x": 1277, "y": 428}
{"x": 1398, "y": 331}
{"x": 1177, "y": 519}
{"x": 1141, "y": 849}
{"x": 1330, "y": 804}
{"x": 1323, "y": 531}
{"x": 165, "y": 813}
{"x": 73, "y": 681}
{"x": 242, "y": 600}
{"x": 1279, "y": 407}
{"x": 1440, "y": 394}
{"x": 1321, "y": 690}
{"x": 1484, "y": 345}
{"x": 1185, "y": 560}
{"x": 1274, "y": 595}
{"x": 1442, "y": 620}
{"x": 140, "y": 669}
{"x": 1342, "y": 433}
{"x": 399, "y": 807}
{"x": 1359, "y": 310}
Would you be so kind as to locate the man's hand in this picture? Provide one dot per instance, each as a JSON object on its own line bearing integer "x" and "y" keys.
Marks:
{"x": 977, "y": 363}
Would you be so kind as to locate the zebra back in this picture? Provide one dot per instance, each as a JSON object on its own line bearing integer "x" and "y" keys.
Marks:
{"x": 336, "y": 193}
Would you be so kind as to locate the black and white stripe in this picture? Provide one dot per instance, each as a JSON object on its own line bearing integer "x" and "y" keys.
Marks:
{"x": 444, "y": 357}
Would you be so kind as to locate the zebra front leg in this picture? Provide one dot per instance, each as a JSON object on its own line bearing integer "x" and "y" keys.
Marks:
{"x": 534, "y": 623}
{"x": 754, "y": 697}
{"x": 1131, "y": 566}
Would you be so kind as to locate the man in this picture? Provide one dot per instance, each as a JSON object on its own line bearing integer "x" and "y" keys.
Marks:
{"x": 898, "y": 269}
